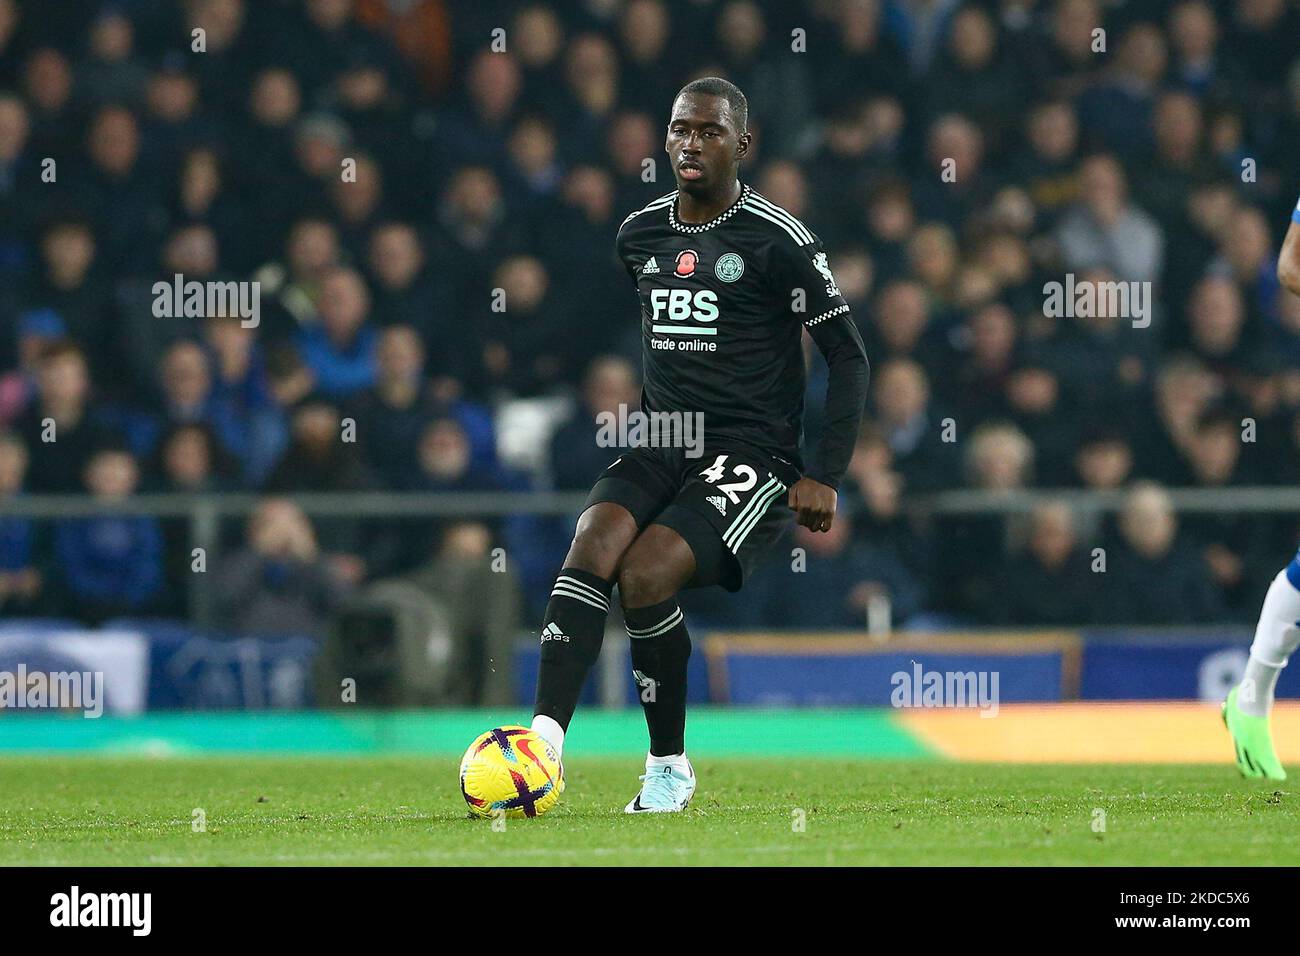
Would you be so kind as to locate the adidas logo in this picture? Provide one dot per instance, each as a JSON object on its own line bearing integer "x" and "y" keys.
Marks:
{"x": 718, "y": 502}
{"x": 552, "y": 632}
{"x": 650, "y": 268}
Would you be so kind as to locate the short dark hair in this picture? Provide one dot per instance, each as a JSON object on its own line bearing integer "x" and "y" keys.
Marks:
{"x": 717, "y": 86}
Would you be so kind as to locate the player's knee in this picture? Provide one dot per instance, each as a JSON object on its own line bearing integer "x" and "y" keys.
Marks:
{"x": 597, "y": 545}
{"x": 643, "y": 581}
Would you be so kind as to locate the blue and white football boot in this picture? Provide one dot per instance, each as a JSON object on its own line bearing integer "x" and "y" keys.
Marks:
{"x": 664, "y": 789}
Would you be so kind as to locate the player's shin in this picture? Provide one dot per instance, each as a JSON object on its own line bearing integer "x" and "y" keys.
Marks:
{"x": 660, "y": 650}
{"x": 571, "y": 637}
{"x": 1276, "y": 638}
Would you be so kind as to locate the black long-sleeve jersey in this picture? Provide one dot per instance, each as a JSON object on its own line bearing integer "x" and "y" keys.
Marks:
{"x": 723, "y": 304}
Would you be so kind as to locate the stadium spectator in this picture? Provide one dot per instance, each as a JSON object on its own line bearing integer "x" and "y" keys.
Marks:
{"x": 47, "y": 82}
{"x": 1048, "y": 169}
{"x": 340, "y": 349}
{"x": 292, "y": 285}
{"x": 1184, "y": 390}
{"x": 972, "y": 76}
{"x": 910, "y": 425}
{"x": 112, "y": 565}
{"x": 393, "y": 414}
{"x": 1230, "y": 544}
{"x": 1104, "y": 229}
{"x": 1116, "y": 110}
{"x": 611, "y": 389}
{"x": 359, "y": 203}
{"x": 955, "y": 183}
{"x": 1051, "y": 583}
{"x": 21, "y": 581}
{"x": 113, "y": 71}
{"x": 879, "y": 521}
{"x": 188, "y": 396}
{"x": 644, "y": 32}
{"x": 978, "y": 378}
{"x": 18, "y": 207}
{"x": 278, "y": 583}
{"x": 1155, "y": 575}
{"x": 35, "y": 331}
{"x": 972, "y": 548}
{"x": 1104, "y": 460}
{"x": 406, "y": 293}
{"x": 117, "y": 192}
{"x": 1098, "y": 355}
{"x": 899, "y": 324}
{"x": 70, "y": 284}
{"x": 142, "y": 334}
{"x": 1216, "y": 321}
{"x": 189, "y": 461}
{"x": 840, "y": 578}
{"x": 523, "y": 346}
{"x": 241, "y": 386}
{"x": 61, "y": 428}
{"x": 204, "y": 195}
{"x": 1035, "y": 405}
{"x": 323, "y": 457}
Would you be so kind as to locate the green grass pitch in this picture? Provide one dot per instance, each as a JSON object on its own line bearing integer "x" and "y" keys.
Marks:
{"x": 379, "y": 810}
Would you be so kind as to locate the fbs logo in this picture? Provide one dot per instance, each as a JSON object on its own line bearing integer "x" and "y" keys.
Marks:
{"x": 718, "y": 502}
{"x": 552, "y": 632}
{"x": 686, "y": 260}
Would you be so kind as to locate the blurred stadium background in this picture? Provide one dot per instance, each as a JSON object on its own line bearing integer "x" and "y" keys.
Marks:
{"x": 203, "y": 532}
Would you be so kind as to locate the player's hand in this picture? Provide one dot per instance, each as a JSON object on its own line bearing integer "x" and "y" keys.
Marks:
{"x": 813, "y": 503}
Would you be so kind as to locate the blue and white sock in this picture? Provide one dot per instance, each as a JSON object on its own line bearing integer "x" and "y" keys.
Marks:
{"x": 1276, "y": 636}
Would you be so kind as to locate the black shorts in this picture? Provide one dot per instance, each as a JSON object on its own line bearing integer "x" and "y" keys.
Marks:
{"x": 730, "y": 505}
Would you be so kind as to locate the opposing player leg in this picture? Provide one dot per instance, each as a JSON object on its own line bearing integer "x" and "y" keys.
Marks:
{"x": 1249, "y": 705}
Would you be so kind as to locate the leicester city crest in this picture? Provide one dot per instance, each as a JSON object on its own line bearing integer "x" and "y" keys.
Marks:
{"x": 730, "y": 267}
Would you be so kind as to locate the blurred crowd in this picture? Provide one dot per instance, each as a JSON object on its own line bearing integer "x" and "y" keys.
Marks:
{"x": 954, "y": 157}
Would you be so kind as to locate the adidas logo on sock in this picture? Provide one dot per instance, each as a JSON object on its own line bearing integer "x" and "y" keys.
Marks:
{"x": 552, "y": 632}
{"x": 650, "y": 268}
{"x": 718, "y": 502}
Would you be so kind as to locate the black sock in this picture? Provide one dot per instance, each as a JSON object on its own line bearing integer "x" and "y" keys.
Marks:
{"x": 571, "y": 636}
{"x": 660, "y": 650}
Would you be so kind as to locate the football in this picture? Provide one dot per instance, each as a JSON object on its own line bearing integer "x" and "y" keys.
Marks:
{"x": 513, "y": 770}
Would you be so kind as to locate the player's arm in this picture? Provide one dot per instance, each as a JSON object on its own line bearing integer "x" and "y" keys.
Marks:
{"x": 831, "y": 326}
{"x": 814, "y": 495}
{"x": 1288, "y": 263}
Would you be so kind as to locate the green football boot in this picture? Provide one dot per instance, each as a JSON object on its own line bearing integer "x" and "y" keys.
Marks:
{"x": 1252, "y": 741}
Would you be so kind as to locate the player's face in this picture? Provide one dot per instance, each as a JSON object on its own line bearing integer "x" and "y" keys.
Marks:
{"x": 703, "y": 144}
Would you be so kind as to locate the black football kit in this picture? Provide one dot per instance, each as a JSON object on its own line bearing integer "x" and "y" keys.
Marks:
{"x": 723, "y": 307}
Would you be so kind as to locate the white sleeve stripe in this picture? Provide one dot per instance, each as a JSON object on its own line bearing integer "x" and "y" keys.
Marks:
{"x": 657, "y": 204}
{"x": 762, "y": 214}
{"x": 805, "y": 237}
